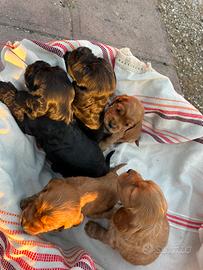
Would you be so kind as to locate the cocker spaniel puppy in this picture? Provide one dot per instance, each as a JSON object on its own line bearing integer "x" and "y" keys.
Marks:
{"x": 63, "y": 203}
{"x": 16, "y": 100}
{"x": 122, "y": 122}
{"x": 53, "y": 90}
{"x": 94, "y": 82}
{"x": 139, "y": 230}
{"x": 68, "y": 148}
{"x": 50, "y": 93}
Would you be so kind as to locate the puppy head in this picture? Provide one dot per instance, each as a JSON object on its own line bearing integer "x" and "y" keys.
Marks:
{"x": 143, "y": 201}
{"x": 31, "y": 72}
{"x": 56, "y": 206}
{"x": 124, "y": 114}
{"x": 90, "y": 72}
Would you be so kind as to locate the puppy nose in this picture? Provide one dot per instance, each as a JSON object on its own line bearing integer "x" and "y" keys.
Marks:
{"x": 110, "y": 124}
{"x": 130, "y": 170}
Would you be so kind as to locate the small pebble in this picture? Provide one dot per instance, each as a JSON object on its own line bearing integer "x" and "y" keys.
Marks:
{"x": 184, "y": 25}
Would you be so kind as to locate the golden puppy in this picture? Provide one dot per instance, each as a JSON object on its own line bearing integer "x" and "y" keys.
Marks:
{"x": 94, "y": 82}
{"x": 63, "y": 203}
{"x": 122, "y": 121}
{"x": 139, "y": 230}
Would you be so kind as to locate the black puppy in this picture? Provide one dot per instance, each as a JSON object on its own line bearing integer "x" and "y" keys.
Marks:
{"x": 70, "y": 151}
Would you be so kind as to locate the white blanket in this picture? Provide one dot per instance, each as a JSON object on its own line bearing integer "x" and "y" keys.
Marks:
{"x": 170, "y": 153}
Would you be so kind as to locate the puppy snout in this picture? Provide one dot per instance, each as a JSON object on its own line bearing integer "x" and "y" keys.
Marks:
{"x": 130, "y": 170}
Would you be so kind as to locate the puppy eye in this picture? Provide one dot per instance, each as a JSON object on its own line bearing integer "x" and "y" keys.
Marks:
{"x": 82, "y": 87}
{"x": 120, "y": 110}
{"x": 45, "y": 189}
{"x": 87, "y": 69}
{"x": 61, "y": 228}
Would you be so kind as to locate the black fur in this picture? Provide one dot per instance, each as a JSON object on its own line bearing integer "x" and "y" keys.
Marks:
{"x": 71, "y": 152}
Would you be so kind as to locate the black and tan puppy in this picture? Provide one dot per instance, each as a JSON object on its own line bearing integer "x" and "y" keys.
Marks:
{"x": 50, "y": 93}
{"x": 94, "y": 82}
{"x": 70, "y": 151}
{"x": 53, "y": 90}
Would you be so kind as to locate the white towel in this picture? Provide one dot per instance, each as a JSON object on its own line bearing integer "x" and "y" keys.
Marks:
{"x": 170, "y": 153}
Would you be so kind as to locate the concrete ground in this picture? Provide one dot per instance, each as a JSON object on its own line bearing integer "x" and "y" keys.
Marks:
{"x": 121, "y": 23}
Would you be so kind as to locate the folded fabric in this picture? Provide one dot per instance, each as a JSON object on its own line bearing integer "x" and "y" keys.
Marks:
{"x": 170, "y": 153}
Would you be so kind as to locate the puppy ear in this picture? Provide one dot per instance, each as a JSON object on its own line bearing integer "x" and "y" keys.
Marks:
{"x": 115, "y": 99}
{"x": 122, "y": 219}
{"x": 71, "y": 222}
{"x": 132, "y": 134}
{"x": 47, "y": 219}
{"x": 87, "y": 198}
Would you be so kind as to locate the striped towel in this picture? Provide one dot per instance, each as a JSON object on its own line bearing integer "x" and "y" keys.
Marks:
{"x": 170, "y": 153}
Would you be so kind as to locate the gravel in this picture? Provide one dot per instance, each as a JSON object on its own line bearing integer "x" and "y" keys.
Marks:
{"x": 183, "y": 20}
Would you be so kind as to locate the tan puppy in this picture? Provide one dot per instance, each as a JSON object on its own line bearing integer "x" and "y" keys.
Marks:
{"x": 123, "y": 121}
{"x": 63, "y": 203}
{"x": 139, "y": 230}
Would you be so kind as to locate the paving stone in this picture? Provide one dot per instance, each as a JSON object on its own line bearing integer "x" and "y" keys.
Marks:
{"x": 48, "y": 17}
{"x": 129, "y": 23}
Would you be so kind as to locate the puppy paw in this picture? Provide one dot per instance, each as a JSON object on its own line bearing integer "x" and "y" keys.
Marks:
{"x": 91, "y": 229}
{"x": 103, "y": 145}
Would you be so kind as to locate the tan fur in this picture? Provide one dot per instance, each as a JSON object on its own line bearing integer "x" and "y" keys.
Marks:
{"x": 123, "y": 120}
{"x": 139, "y": 230}
{"x": 65, "y": 202}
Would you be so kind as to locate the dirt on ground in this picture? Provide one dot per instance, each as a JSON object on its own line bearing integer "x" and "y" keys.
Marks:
{"x": 183, "y": 21}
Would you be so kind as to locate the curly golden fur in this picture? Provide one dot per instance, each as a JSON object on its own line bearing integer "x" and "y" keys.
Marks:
{"x": 139, "y": 230}
{"x": 53, "y": 90}
{"x": 94, "y": 82}
{"x": 15, "y": 100}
